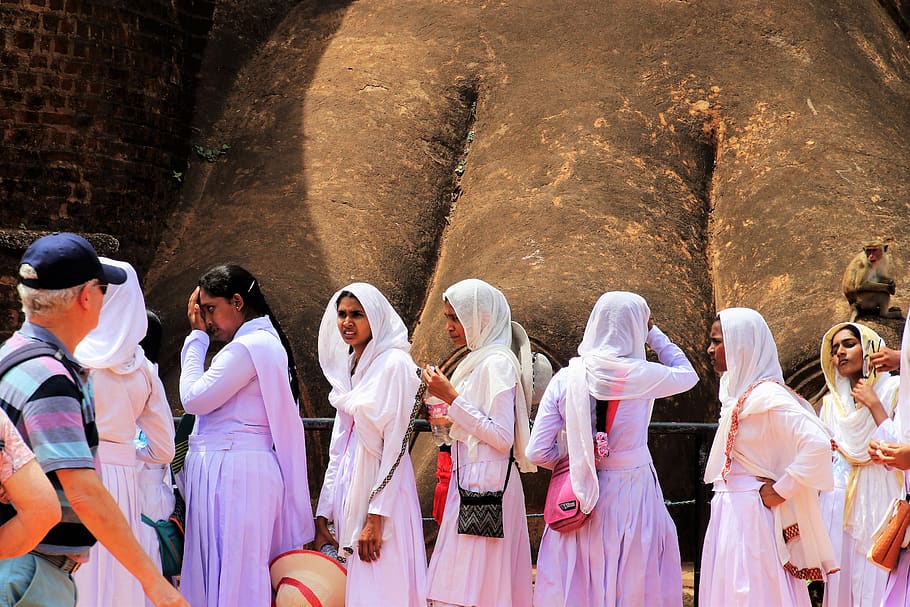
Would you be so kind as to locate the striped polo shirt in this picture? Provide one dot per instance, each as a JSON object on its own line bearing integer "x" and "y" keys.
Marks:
{"x": 56, "y": 418}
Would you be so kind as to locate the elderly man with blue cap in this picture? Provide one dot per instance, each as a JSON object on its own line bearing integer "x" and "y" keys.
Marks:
{"x": 47, "y": 396}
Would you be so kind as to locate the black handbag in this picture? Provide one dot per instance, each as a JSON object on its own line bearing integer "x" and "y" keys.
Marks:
{"x": 480, "y": 512}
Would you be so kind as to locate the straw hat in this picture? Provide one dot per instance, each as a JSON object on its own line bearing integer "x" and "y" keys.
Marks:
{"x": 306, "y": 578}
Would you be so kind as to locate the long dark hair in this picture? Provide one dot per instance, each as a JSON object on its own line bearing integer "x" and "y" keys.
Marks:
{"x": 225, "y": 281}
{"x": 151, "y": 343}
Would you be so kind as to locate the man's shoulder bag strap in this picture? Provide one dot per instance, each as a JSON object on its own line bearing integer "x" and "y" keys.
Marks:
{"x": 36, "y": 349}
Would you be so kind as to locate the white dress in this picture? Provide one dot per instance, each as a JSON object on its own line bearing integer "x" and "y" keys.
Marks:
{"x": 398, "y": 577}
{"x": 740, "y": 564}
{"x": 470, "y": 570}
{"x": 122, "y": 402}
{"x": 627, "y": 553}
{"x": 245, "y": 472}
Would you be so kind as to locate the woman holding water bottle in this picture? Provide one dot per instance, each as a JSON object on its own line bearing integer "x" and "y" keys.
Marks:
{"x": 369, "y": 492}
{"x": 487, "y": 405}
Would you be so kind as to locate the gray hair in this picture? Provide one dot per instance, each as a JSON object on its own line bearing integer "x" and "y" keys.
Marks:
{"x": 47, "y": 302}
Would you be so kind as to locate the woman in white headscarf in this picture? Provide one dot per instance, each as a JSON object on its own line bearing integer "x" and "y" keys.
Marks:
{"x": 370, "y": 492}
{"x": 770, "y": 458}
{"x": 490, "y": 430}
{"x": 627, "y": 552}
{"x": 128, "y": 394}
{"x": 857, "y": 409}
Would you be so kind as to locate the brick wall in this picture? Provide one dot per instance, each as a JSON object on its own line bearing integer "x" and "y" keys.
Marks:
{"x": 13, "y": 244}
{"x": 95, "y": 106}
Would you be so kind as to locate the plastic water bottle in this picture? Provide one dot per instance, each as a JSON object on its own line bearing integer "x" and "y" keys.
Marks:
{"x": 140, "y": 441}
{"x": 330, "y": 550}
{"x": 439, "y": 420}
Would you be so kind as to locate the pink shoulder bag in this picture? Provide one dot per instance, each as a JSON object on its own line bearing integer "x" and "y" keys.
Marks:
{"x": 562, "y": 510}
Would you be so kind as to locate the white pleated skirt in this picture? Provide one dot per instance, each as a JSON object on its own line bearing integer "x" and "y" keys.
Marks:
{"x": 897, "y": 590}
{"x": 739, "y": 563}
{"x": 626, "y": 554}
{"x": 103, "y": 580}
{"x": 859, "y": 583}
{"x": 156, "y": 501}
{"x": 233, "y": 492}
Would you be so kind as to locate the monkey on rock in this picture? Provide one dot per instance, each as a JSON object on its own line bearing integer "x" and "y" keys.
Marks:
{"x": 867, "y": 283}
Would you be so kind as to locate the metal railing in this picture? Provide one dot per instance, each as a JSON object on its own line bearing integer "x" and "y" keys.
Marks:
{"x": 703, "y": 434}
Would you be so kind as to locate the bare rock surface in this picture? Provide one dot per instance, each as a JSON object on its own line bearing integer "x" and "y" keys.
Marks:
{"x": 703, "y": 154}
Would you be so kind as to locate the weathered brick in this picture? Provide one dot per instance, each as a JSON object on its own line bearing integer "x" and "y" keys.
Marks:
{"x": 9, "y": 60}
{"x": 56, "y": 118}
{"x": 34, "y": 102}
{"x": 66, "y": 26}
{"x": 95, "y": 104}
{"x": 24, "y": 40}
{"x": 26, "y": 80}
{"x": 11, "y": 97}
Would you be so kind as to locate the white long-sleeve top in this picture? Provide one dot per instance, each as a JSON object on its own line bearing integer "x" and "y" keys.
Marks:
{"x": 124, "y": 401}
{"x": 227, "y": 394}
{"x": 246, "y": 388}
{"x": 366, "y": 442}
{"x": 495, "y": 431}
{"x": 630, "y": 426}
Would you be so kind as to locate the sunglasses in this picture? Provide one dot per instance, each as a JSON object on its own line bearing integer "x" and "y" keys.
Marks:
{"x": 102, "y": 286}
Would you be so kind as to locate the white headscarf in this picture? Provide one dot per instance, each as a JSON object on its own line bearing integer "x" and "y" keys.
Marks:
{"x": 487, "y": 320}
{"x": 751, "y": 356}
{"x": 754, "y": 377}
{"x": 366, "y": 396}
{"x": 386, "y": 326}
{"x": 610, "y": 365}
{"x": 114, "y": 343}
{"x": 750, "y": 351}
{"x": 853, "y": 426}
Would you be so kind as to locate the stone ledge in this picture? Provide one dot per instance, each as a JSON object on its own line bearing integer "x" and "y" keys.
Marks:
{"x": 12, "y": 240}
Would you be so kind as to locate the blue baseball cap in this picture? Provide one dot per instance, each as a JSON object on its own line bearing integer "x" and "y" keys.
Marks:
{"x": 62, "y": 260}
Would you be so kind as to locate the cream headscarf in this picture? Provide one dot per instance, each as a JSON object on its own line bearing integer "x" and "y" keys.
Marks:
{"x": 752, "y": 385}
{"x": 487, "y": 320}
{"x": 610, "y": 365}
{"x": 853, "y": 428}
{"x": 365, "y": 396}
{"x": 114, "y": 343}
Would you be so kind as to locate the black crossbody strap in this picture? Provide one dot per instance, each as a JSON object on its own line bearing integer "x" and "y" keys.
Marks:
{"x": 508, "y": 470}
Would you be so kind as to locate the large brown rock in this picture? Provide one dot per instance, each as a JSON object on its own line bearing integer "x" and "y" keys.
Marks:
{"x": 705, "y": 155}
